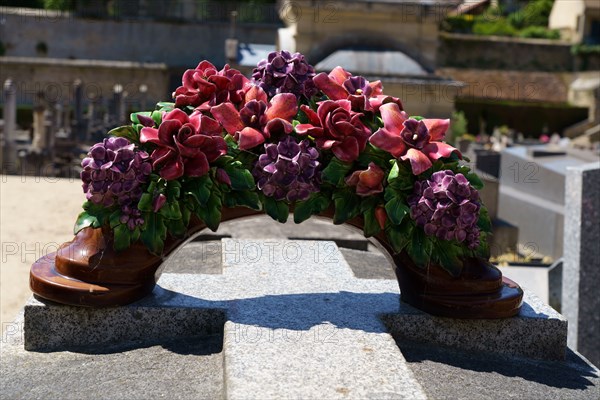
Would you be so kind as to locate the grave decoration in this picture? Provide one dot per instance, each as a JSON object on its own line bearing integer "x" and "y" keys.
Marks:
{"x": 286, "y": 142}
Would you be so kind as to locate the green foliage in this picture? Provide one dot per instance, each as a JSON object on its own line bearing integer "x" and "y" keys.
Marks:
{"x": 539, "y": 32}
{"x": 62, "y": 5}
{"x": 458, "y": 127}
{"x": 531, "y": 21}
{"x": 458, "y": 24}
{"x": 535, "y": 13}
{"x": 499, "y": 27}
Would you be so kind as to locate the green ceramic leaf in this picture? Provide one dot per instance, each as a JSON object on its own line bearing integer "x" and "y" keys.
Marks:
{"x": 165, "y": 106}
{"x": 371, "y": 226}
{"x": 134, "y": 116}
{"x": 474, "y": 180}
{"x": 114, "y": 219}
{"x": 170, "y": 210}
{"x": 173, "y": 190}
{"x": 484, "y": 223}
{"x": 199, "y": 189}
{"x": 127, "y": 131}
{"x": 278, "y": 210}
{"x": 154, "y": 232}
{"x": 157, "y": 117}
{"x": 449, "y": 255}
{"x": 145, "y": 203}
{"x": 335, "y": 172}
{"x": 176, "y": 227}
{"x": 241, "y": 178}
{"x": 244, "y": 198}
{"x": 122, "y": 236}
{"x": 211, "y": 213}
{"x": 399, "y": 236}
{"x": 347, "y": 206}
{"x": 84, "y": 220}
{"x": 420, "y": 248}
{"x": 396, "y": 210}
{"x": 315, "y": 204}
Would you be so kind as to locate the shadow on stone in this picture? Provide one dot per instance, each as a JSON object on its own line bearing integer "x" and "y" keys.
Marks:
{"x": 492, "y": 372}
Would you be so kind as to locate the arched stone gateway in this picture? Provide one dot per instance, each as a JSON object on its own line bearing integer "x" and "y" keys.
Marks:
{"x": 89, "y": 272}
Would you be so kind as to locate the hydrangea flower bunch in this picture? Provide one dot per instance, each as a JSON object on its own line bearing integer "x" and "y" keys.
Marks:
{"x": 286, "y": 140}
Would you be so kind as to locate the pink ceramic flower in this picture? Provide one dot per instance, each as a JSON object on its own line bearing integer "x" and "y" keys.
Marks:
{"x": 186, "y": 144}
{"x": 337, "y": 128}
{"x": 204, "y": 87}
{"x": 365, "y": 96}
{"x": 408, "y": 139}
{"x": 367, "y": 182}
{"x": 257, "y": 120}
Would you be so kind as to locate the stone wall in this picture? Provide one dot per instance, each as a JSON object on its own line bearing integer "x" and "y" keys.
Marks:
{"x": 54, "y": 79}
{"x": 31, "y": 33}
{"x": 487, "y": 52}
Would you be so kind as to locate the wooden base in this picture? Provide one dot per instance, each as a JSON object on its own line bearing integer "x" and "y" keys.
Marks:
{"x": 88, "y": 272}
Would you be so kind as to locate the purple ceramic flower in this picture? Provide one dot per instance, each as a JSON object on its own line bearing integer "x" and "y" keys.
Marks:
{"x": 283, "y": 72}
{"x": 288, "y": 170}
{"x": 447, "y": 207}
{"x": 114, "y": 172}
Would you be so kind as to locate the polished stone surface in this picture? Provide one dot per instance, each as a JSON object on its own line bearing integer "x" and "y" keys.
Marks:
{"x": 581, "y": 269}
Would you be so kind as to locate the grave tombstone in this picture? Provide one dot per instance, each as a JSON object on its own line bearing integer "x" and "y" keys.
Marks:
{"x": 581, "y": 273}
{"x": 9, "y": 156}
{"x": 77, "y": 123}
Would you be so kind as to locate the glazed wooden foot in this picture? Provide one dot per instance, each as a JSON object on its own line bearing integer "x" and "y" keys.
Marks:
{"x": 88, "y": 272}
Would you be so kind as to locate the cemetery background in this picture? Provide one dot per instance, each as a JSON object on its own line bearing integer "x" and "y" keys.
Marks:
{"x": 529, "y": 181}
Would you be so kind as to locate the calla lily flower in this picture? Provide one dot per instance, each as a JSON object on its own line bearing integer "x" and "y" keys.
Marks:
{"x": 367, "y": 182}
{"x": 185, "y": 144}
{"x": 257, "y": 120}
{"x": 408, "y": 139}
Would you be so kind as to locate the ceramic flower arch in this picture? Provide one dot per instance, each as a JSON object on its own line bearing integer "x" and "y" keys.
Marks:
{"x": 286, "y": 142}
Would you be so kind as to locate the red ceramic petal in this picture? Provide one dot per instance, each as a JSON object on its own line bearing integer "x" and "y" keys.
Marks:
{"x": 172, "y": 170}
{"x": 215, "y": 148}
{"x": 207, "y": 65}
{"x": 377, "y": 88}
{"x": 373, "y": 176}
{"x": 197, "y": 166}
{"x": 209, "y": 126}
{"x": 228, "y": 116}
{"x": 255, "y": 93}
{"x": 195, "y": 120}
{"x": 167, "y": 130}
{"x": 312, "y": 116}
{"x": 149, "y": 135}
{"x": 346, "y": 150}
{"x": 249, "y": 138}
{"x": 308, "y": 129}
{"x": 437, "y": 128}
{"x": 162, "y": 155}
{"x": 388, "y": 141}
{"x": 419, "y": 162}
{"x": 283, "y": 105}
{"x": 278, "y": 126}
{"x": 435, "y": 150}
{"x": 325, "y": 144}
{"x": 176, "y": 114}
{"x": 353, "y": 179}
{"x": 392, "y": 116}
{"x": 381, "y": 216}
{"x": 330, "y": 87}
{"x": 339, "y": 75}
